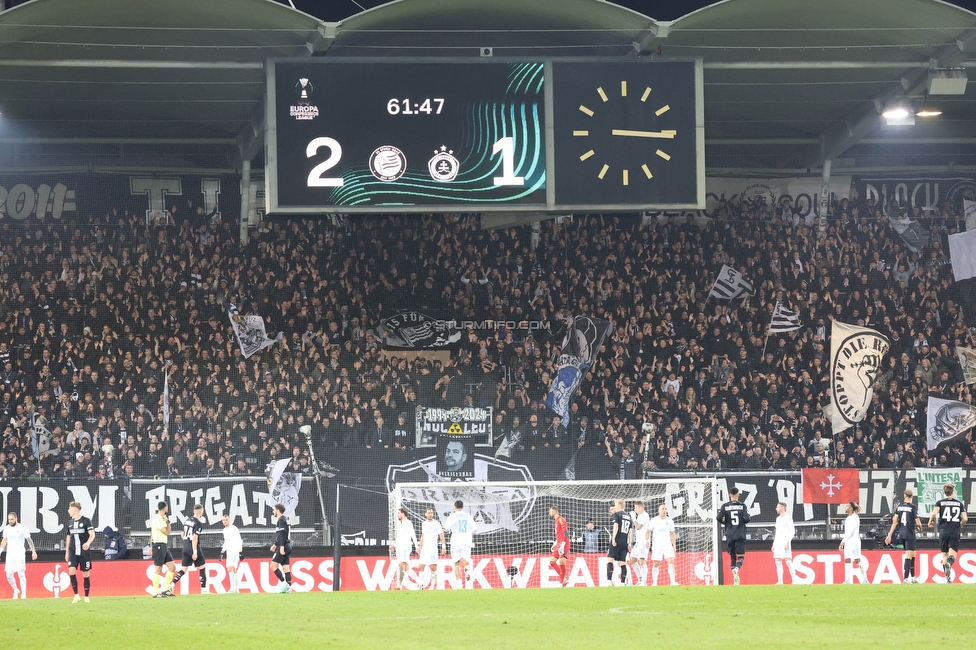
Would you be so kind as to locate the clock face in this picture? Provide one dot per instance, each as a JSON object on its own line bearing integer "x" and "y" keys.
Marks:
{"x": 626, "y": 135}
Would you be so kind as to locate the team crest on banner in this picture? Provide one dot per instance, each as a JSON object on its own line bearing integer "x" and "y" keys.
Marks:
{"x": 284, "y": 486}
{"x": 412, "y": 329}
{"x": 496, "y": 508}
{"x": 856, "y": 354}
{"x": 948, "y": 420}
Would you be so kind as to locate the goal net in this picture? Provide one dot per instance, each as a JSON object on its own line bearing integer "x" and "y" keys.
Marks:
{"x": 514, "y": 533}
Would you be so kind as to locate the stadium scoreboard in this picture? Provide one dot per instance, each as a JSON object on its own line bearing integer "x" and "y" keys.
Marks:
{"x": 415, "y": 135}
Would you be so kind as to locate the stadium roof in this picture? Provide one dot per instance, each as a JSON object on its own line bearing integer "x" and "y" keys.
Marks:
{"x": 788, "y": 82}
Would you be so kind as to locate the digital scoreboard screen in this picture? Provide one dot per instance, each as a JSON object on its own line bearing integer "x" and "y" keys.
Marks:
{"x": 355, "y": 135}
{"x": 395, "y": 135}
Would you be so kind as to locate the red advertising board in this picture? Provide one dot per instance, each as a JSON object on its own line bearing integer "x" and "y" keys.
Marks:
{"x": 134, "y": 577}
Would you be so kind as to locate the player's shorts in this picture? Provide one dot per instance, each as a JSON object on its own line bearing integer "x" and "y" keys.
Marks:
{"x": 618, "y": 553}
{"x": 639, "y": 552}
{"x": 403, "y": 553}
{"x": 161, "y": 555}
{"x": 233, "y": 559}
{"x": 949, "y": 542}
{"x": 662, "y": 552}
{"x": 281, "y": 558}
{"x": 784, "y": 552}
{"x": 561, "y": 549}
{"x": 188, "y": 559}
{"x": 459, "y": 553}
{"x": 852, "y": 550}
{"x": 908, "y": 543}
{"x": 80, "y": 560}
{"x": 736, "y": 546}
{"x": 428, "y": 555}
{"x": 15, "y": 563}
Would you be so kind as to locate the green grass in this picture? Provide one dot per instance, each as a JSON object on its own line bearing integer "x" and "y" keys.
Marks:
{"x": 692, "y": 617}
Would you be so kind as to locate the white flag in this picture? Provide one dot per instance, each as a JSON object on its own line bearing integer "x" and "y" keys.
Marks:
{"x": 967, "y": 360}
{"x": 948, "y": 419}
{"x": 962, "y": 252}
{"x": 784, "y": 319}
{"x": 731, "y": 284}
{"x": 166, "y": 401}
{"x": 283, "y": 487}
{"x": 249, "y": 331}
{"x": 856, "y": 354}
{"x": 969, "y": 210}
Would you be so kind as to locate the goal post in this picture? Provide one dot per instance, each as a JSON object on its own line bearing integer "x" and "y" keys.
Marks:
{"x": 515, "y": 532}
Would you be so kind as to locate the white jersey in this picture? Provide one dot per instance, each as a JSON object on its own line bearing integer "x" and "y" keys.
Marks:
{"x": 233, "y": 543}
{"x": 462, "y": 528}
{"x": 430, "y": 532}
{"x": 661, "y": 530}
{"x": 785, "y": 531}
{"x": 641, "y": 523}
{"x": 852, "y": 529}
{"x": 406, "y": 536}
{"x": 16, "y": 537}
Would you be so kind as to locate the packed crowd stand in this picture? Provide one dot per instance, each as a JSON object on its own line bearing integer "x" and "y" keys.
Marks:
{"x": 93, "y": 313}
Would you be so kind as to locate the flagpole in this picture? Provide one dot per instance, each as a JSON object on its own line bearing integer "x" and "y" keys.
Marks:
{"x": 766, "y": 342}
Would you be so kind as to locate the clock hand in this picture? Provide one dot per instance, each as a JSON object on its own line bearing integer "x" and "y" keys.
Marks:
{"x": 645, "y": 134}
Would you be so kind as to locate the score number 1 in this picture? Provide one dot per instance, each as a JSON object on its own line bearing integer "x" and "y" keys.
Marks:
{"x": 504, "y": 145}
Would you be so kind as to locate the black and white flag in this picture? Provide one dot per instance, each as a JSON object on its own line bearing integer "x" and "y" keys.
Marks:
{"x": 967, "y": 361}
{"x": 856, "y": 355}
{"x": 413, "y": 329}
{"x": 784, "y": 319}
{"x": 912, "y": 232}
{"x": 731, "y": 284}
{"x": 947, "y": 420}
{"x": 249, "y": 331}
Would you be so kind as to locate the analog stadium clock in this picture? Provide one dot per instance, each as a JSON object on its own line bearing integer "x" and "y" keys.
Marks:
{"x": 627, "y": 134}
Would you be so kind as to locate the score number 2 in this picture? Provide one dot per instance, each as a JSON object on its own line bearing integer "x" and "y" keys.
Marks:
{"x": 505, "y": 145}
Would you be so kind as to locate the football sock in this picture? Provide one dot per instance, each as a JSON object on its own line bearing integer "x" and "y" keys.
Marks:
{"x": 233, "y": 580}
{"x": 179, "y": 575}
{"x": 671, "y": 572}
{"x": 400, "y": 573}
{"x": 609, "y": 571}
{"x": 847, "y": 572}
{"x": 779, "y": 571}
{"x": 861, "y": 572}
{"x": 655, "y": 571}
{"x": 288, "y": 577}
{"x": 623, "y": 574}
{"x": 739, "y": 562}
{"x": 12, "y": 581}
{"x": 279, "y": 574}
{"x": 912, "y": 566}
{"x": 908, "y": 568}
{"x": 155, "y": 583}
{"x": 74, "y": 584}
{"x": 87, "y": 585}
{"x": 203, "y": 578}
{"x": 789, "y": 567}
{"x": 951, "y": 560}
{"x": 169, "y": 580}
{"x": 23, "y": 583}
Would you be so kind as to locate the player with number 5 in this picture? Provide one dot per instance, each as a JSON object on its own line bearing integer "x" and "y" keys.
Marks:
{"x": 952, "y": 517}
{"x": 734, "y": 516}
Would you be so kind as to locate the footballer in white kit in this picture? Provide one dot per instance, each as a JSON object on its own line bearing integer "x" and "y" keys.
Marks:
{"x": 430, "y": 531}
{"x": 662, "y": 544}
{"x": 232, "y": 550}
{"x": 851, "y": 545}
{"x": 405, "y": 543}
{"x": 462, "y": 527}
{"x": 638, "y": 551}
{"x": 783, "y": 543}
{"x": 15, "y": 536}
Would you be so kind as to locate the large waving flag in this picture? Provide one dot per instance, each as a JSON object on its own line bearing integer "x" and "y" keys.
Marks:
{"x": 249, "y": 331}
{"x": 784, "y": 319}
{"x": 730, "y": 284}
{"x": 582, "y": 342}
{"x": 947, "y": 420}
{"x": 856, "y": 354}
{"x": 967, "y": 361}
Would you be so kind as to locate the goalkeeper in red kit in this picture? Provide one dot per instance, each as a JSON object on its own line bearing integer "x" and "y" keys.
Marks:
{"x": 560, "y": 548}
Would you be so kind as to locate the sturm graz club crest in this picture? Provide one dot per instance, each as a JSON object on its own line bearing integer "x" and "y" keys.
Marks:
{"x": 387, "y": 163}
{"x": 494, "y": 508}
{"x": 443, "y": 166}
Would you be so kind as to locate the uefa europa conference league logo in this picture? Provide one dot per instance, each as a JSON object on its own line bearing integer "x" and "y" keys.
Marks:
{"x": 304, "y": 110}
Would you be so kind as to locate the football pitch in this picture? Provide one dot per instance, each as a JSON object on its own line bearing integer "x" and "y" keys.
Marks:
{"x": 681, "y": 617}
